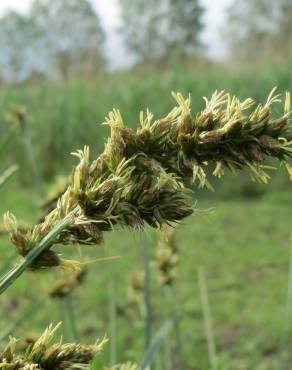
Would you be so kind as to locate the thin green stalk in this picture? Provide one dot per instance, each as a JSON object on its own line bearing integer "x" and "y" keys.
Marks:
{"x": 63, "y": 319}
{"x": 158, "y": 363}
{"x": 6, "y": 141}
{"x": 166, "y": 354}
{"x": 16, "y": 272}
{"x": 7, "y": 174}
{"x": 147, "y": 290}
{"x": 70, "y": 314}
{"x": 113, "y": 321}
{"x": 284, "y": 339}
{"x": 155, "y": 346}
{"x": 167, "y": 343}
{"x": 207, "y": 319}
{"x": 176, "y": 325}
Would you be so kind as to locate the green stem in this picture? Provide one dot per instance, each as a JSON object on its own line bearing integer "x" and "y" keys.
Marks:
{"x": 63, "y": 320}
{"x": 147, "y": 290}
{"x": 6, "y": 141}
{"x": 7, "y": 174}
{"x": 69, "y": 308}
{"x": 176, "y": 324}
{"x": 45, "y": 243}
{"x": 207, "y": 319}
{"x": 167, "y": 355}
{"x": 113, "y": 321}
{"x": 155, "y": 346}
{"x": 284, "y": 339}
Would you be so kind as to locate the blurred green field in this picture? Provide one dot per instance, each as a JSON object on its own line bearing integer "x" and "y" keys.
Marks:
{"x": 244, "y": 247}
{"x": 66, "y": 115}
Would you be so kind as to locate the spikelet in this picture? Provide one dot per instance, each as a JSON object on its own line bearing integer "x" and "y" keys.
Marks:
{"x": 17, "y": 115}
{"x": 167, "y": 257}
{"x": 42, "y": 354}
{"x": 143, "y": 176}
{"x": 136, "y": 286}
{"x": 66, "y": 284}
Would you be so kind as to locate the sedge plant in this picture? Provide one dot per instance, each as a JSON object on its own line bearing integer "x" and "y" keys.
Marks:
{"x": 145, "y": 176}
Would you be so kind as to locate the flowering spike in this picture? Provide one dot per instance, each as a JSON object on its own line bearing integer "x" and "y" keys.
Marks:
{"x": 142, "y": 176}
{"x": 42, "y": 354}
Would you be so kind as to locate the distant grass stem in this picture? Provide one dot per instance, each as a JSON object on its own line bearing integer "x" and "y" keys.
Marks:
{"x": 147, "y": 289}
{"x": 5, "y": 176}
{"x": 207, "y": 319}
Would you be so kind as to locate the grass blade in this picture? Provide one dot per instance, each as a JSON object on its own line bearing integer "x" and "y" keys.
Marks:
{"x": 71, "y": 319}
{"x": 176, "y": 325}
{"x": 147, "y": 290}
{"x": 284, "y": 339}
{"x": 155, "y": 346}
{"x": 7, "y": 174}
{"x": 207, "y": 319}
{"x": 113, "y": 321}
{"x": 6, "y": 141}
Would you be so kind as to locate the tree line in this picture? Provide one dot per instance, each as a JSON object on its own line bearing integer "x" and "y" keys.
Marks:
{"x": 259, "y": 30}
{"x": 65, "y": 37}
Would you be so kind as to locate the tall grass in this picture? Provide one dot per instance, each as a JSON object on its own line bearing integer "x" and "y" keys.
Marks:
{"x": 65, "y": 116}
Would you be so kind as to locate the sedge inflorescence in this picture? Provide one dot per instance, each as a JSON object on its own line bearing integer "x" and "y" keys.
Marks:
{"x": 167, "y": 256}
{"x": 144, "y": 176}
{"x": 66, "y": 284}
{"x": 45, "y": 355}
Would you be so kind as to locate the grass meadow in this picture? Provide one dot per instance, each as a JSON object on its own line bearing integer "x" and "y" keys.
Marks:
{"x": 242, "y": 241}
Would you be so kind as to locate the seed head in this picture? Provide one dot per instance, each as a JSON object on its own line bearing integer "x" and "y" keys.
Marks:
{"x": 41, "y": 354}
{"x": 143, "y": 176}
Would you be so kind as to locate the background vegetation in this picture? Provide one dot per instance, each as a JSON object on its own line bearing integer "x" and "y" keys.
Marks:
{"x": 244, "y": 248}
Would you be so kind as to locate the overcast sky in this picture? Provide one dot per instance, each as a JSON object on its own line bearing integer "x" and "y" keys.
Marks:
{"x": 109, "y": 13}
